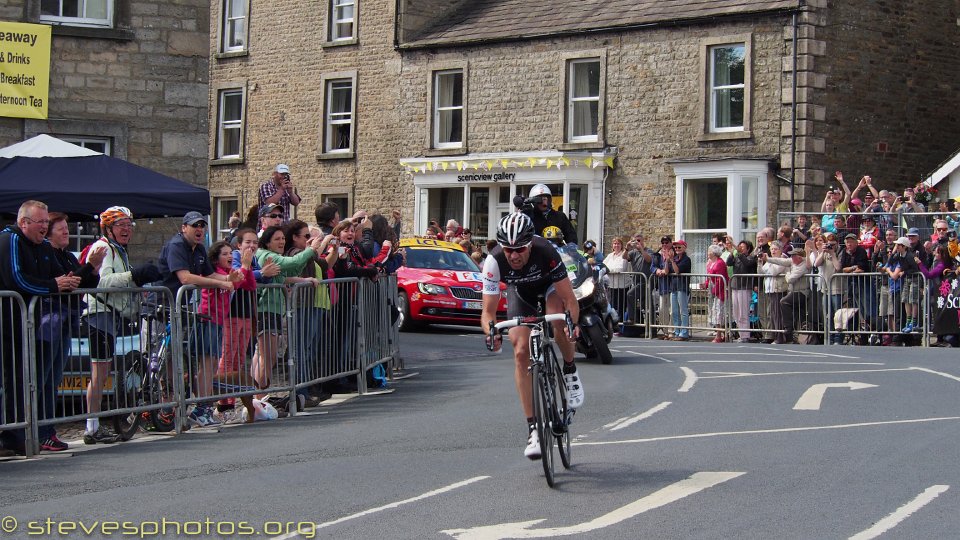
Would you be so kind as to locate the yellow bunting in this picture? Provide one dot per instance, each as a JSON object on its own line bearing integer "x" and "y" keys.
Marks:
{"x": 609, "y": 162}
{"x": 588, "y": 162}
{"x": 459, "y": 165}
{"x": 444, "y": 165}
{"x": 549, "y": 163}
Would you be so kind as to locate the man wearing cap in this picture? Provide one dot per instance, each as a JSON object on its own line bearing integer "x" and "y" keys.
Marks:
{"x": 279, "y": 190}
{"x": 660, "y": 264}
{"x": 271, "y": 215}
{"x": 863, "y": 289}
{"x": 183, "y": 261}
{"x": 594, "y": 257}
{"x": 640, "y": 258}
{"x": 869, "y": 234}
{"x": 792, "y": 306}
{"x": 902, "y": 268}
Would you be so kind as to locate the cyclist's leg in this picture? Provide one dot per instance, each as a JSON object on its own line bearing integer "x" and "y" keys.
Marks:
{"x": 555, "y": 305}
{"x": 520, "y": 339}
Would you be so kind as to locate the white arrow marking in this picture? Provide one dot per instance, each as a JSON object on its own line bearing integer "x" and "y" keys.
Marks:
{"x": 624, "y": 422}
{"x": 674, "y": 492}
{"x": 810, "y": 400}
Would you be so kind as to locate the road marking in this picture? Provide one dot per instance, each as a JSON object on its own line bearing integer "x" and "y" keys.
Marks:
{"x": 901, "y": 513}
{"x": 947, "y": 375}
{"x": 689, "y": 381}
{"x": 774, "y": 430}
{"x": 650, "y": 356}
{"x": 624, "y": 422}
{"x": 390, "y": 506}
{"x": 814, "y": 362}
{"x": 728, "y": 375}
{"x": 812, "y": 398}
{"x": 695, "y": 483}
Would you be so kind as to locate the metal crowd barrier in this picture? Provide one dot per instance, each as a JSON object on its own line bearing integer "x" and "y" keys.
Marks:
{"x": 866, "y": 307}
{"x": 686, "y": 305}
{"x": 15, "y": 348}
{"x": 378, "y": 344}
{"x": 634, "y": 299}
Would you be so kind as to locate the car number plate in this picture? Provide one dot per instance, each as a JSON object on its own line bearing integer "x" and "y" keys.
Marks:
{"x": 472, "y": 305}
{"x": 78, "y": 383}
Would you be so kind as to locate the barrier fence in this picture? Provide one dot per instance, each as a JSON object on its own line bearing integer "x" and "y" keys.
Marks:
{"x": 131, "y": 356}
{"x": 852, "y": 308}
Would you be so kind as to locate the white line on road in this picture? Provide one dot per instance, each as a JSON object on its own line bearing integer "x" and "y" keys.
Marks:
{"x": 689, "y": 381}
{"x": 765, "y": 431}
{"x": 824, "y": 362}
{"x": 624, "y": 422}
{"x": 813, "y": 397}
{"x": 390, "y": 506}
{"x": 723, "y": 375}
{"x": 695, "y": 483}
{"x": 901, "y": 513}
{"x": 947, "y": 375}
{"x": 651, "y": 356}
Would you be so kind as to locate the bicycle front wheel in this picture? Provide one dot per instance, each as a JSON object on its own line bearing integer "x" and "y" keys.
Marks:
{"x": 542, "y": 411}
{"x": 560, "y": 414}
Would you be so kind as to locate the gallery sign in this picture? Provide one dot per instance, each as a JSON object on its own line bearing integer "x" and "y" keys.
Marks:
{"x": 24, "y": 69}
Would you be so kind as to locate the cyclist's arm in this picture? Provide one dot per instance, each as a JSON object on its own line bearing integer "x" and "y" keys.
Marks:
{"x": 565, "y": 291}
{"x": 491, "y": 292}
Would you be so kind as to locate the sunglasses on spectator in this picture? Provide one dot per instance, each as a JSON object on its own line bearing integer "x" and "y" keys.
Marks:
{"x": 275, "y": 216}
{"x": 942, "y": 229}
{"x": 521, "y": 249}
{"x": 199, "y": 225}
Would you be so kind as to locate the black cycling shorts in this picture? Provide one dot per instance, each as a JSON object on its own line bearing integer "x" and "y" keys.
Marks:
{"x": 518, "y": 306}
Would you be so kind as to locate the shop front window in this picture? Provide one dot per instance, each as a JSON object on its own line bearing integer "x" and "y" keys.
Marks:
{"x": 704, "y": 213}
{"x": 445, "y": 204}
{"x": 479, "y": 213}
{"x": 577, "y": 211}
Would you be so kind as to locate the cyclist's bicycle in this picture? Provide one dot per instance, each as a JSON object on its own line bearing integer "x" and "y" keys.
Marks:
{"x": 552, "y": 416}
{"x": 146, "y": 379}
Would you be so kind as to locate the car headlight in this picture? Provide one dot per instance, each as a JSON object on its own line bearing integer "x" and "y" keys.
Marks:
{"x": 430, "y": 288}
{"x": 585, "y": 289}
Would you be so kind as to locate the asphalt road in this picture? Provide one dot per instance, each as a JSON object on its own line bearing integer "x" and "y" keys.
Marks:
{"x": 675, "y": 440}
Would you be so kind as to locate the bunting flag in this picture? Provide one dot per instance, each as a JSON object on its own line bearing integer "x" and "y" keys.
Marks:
{"x": 505, "y": 163}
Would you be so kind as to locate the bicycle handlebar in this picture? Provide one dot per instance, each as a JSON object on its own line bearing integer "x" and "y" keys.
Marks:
{"x": 530, "y": 321}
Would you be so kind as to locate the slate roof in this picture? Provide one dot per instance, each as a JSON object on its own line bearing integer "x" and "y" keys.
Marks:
{"x": 483, "y": 20}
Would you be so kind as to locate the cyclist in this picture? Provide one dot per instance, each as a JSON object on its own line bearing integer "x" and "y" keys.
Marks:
{"x": 543, "y": 215}
{"x": 531, "y": 267}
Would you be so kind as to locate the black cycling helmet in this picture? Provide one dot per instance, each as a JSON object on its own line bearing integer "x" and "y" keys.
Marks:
{"x": 515, "y": 230}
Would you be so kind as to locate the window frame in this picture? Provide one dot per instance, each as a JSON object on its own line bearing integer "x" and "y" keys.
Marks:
{"x": 327, "y": 81}
{"x": 83, "y": 140}
{"x": 433, "y": 96}
{"x": 224, "y": 49}
{"x": 220, "y": 92}
{"x": 331, "y": 39}
{"x": 707, "y": 121}
{"x": 86, "y": 22}
{"x": 569, "y": 142}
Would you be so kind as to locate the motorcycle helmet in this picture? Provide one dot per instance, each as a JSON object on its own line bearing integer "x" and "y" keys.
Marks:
{"x": 553, "y": 234}
{"x": 540, "y": 190}
{"x": 515, "y": 230}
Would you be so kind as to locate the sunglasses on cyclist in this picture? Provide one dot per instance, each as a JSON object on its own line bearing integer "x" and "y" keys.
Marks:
{"x": 521, "y": 249}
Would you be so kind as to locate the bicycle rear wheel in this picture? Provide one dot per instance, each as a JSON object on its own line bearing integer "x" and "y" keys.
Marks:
{"x": 561, "y": 425}
{"x": 128, "y": 392}
{"x": 163, "y": 420}
{"x": 542, "y": 412}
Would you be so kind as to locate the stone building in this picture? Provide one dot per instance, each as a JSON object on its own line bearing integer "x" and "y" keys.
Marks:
{"x": 127, "y": 78}
{"x": 665, "y": 116}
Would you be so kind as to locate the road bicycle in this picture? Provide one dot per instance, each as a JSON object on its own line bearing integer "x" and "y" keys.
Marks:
{"x": 550, "y": 411}
{"x": 145, "y": 379}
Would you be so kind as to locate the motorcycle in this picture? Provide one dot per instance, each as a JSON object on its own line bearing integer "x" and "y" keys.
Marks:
{"x": 597, "y": 317}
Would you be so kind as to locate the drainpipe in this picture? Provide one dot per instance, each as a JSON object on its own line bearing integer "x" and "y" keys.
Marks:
{"x": 793, "y": 124}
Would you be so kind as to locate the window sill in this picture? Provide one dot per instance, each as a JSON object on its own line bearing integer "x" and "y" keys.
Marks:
{"x": 725, "y": 136}
{"x": 335, "y": 155}
{"x": 226, "y": 161}
{"x": 338, "y": 43}
{"x": 592, "y": 145}
{"x": 93, "y": 33}
{"x": 231, "y": 54}
{"x": 442, "y": 152}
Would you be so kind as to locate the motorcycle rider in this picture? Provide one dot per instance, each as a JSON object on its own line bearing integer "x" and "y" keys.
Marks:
{"x": 543, "y": 215}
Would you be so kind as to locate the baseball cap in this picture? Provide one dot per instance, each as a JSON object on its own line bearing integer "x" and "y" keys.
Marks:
{"x": 869, "y": 218}
{"x": 681, "y": 242}
{"x": 192, "y": 218}
{"x": 799, "y": 252}
{"x": 913, "y": 231}
{"x": 283, "y": 168}
{"x": 849, "y": 236}
{"x": 857, "y": 202}
{"x": 589, "y": 244}
{"x": 903, "y": 241}
{"x": 666, "y": 239}
{"x": 264, "y": 210}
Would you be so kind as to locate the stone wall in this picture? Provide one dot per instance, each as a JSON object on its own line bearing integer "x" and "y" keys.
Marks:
{"x": 282, "y": 72}
{"x": 143, "y": 84}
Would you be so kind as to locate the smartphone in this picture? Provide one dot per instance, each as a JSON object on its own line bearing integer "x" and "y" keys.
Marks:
{"x": 341, "y": 251}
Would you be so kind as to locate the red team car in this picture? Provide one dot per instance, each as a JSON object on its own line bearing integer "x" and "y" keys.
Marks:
{"x": 440, "y": 284}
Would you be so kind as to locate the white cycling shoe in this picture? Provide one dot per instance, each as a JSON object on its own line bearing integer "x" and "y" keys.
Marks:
{"x": 574, "y": 389}
{"x": 532, "y": 451}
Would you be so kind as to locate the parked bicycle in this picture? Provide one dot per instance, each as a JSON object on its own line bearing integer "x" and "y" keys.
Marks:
{"x": 552, "y": 416}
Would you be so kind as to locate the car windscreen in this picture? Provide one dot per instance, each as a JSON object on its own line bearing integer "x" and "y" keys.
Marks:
{"x": 440, "y": 259}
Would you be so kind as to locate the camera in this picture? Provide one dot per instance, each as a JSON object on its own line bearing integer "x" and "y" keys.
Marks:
{"x": 831, "y": 246}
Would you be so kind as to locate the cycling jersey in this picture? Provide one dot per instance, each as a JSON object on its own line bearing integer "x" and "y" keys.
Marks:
{"x": 543, "y": 269}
